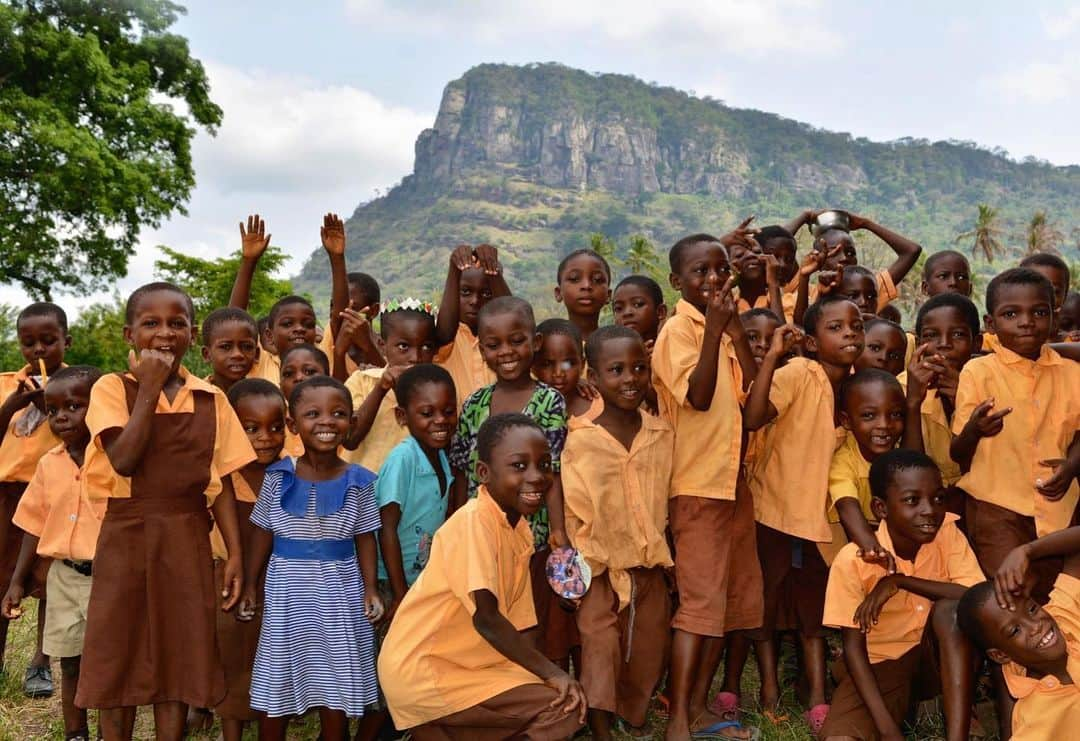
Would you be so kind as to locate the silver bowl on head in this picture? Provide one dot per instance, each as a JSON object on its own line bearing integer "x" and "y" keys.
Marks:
{"x": 832, "y": 219}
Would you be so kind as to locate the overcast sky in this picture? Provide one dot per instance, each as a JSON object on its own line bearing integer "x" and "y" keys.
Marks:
{"x": 323, "y": 100}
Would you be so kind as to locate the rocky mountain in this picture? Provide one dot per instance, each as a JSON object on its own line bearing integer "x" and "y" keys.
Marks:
{"x": 533, "y": 159}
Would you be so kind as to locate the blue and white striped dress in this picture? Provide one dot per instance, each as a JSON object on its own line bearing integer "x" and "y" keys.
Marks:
{"x": 316, "y": 648}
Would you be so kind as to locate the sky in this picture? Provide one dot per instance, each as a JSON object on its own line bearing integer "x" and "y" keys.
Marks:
{"x": 323, "y": 100}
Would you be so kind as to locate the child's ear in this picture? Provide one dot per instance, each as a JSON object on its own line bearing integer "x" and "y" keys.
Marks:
{"x": 810, "y": 343}
{"x": 206, "y": 353}
{"x": 977, "y": 344}
{"x": 661, "y": 313}
{"x": 988, "y": 322}
{"x": 128, "y": 340}
{"x": 558, "y": 294}
{"x": 483, "y": 473}
{"x": 845, "y": 420}
{"x": 194, "y": 333}
{"x": 538, "y": 341}
{"x": 675, "y": 281}
{"x": 399, "y": 416}
{"x": 998, "y": 656}
{"x": 877, "y": 506}
{"x": 593, "y": 376}
{"x": 291, "y": 424}
{"x": 922, "y": 287}
{"x": 67, "y": 342}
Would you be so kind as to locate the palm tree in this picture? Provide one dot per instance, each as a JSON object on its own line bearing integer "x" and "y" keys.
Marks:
{"x": 987, "y": 233}
{"x": 641, "y": 258}
{"x": 1042, "y": 235}
{"x": 604, "y": 246}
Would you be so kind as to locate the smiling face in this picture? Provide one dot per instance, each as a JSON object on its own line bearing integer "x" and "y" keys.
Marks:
{"x": 1022, "y": 318}
{"x": 622, "y": 373}
{"x": 508, "y": 341}
{"x": 948, "y": 274}
{"x": 66, "y": 402}
{"x": 474, "y": 290}
{"x": 299, "y": 365}
{"x": 431, "y": 415}
{"x": 263, "y": 420}
{"x": 746, "y": 260}
{"x": 519, "y": 474}
{"x": 321, "y": 418}
{"x": 759, "y": 331}
{"x": 584, "y": 286}
{"x": 633, "y": 307}
{"x": 949, "y": 335}
{"x": 408, "y": 340}
{"x": 232, "y": 350}
{"x": 701, "y": 265}
{"x": 885, "y": 349}
{"x": 874, "y": 413}
{"x": 42, "y": 338}
{"x": 558, "y": 363}
{"x": 839, "y": 338}
{"x": 1028, "y": 635}
{"x": 294, "y": 324}
{"x": 914, "y": 508}
{"x": 160, "y": 321}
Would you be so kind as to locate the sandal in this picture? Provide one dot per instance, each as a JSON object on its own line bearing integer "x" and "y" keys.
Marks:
{"x": 815, "y": 718}
{"x": 714, "y": 731}
{"x": 776, "y": 717}
{"x": 725, "y": 705}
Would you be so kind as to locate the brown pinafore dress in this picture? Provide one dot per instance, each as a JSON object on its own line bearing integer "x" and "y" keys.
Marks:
{"x": 150, "y": 634}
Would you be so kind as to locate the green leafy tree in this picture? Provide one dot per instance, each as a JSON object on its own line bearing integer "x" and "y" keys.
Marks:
{"x": 91, "y": 148}
{"x": 641, "y": 258}
{"x": 605, "y": 247}
{"x": 1042, "y": 235}
{"x": 986, "y": 234}
{"x": 10, "y": 357}
{"x": 209, "y": 282}
{"x": 97, "y": 337}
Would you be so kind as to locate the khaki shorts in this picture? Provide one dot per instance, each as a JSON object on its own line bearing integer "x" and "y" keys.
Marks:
{"x": 65, "y": 611}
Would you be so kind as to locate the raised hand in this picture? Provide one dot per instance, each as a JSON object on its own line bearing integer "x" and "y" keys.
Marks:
{"x": 463, "y": 257}
{"x": 254, "y": 240}
{"x": 152, "y": 367}
{"x": 742, "y": 234}
{"x": 391, "y": 375}
{"x": 355, "y": 328}
{"x": 28, "y": 392}
{"x": 1011, "y": 577}
{"x": 721, "y": 307}
{"x": 983, "y": 423}
{"x": 924, "y": 370}
{"x": 487, "y": 258}
{"x": 333, "y": 234}
{"x": 784, "y": 340}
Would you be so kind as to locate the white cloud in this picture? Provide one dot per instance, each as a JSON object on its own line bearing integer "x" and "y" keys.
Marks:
{"x": 747, "y": 27}
{"x": 1061, "y": 25}
{"x": 1039, "y": 82}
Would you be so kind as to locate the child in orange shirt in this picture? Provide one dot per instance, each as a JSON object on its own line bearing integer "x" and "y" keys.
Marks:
{"x": 891, "y": 656}
{"x": 559, "y": 363}
{"x": 474, "y": 278}
{"x": 230, "y": 345}
{"x": 886, "y": 346}
{"x": 42, "y": 333}
{"x": 583, "y": 284}
{"x": 638, "y": 303}
{"x": 617, "y": 474}
{"x": 61, "y": 526}
{"x": 1036, "y": 645}
{"x": 458, "y": 662}
{"x": 163, "y": 439}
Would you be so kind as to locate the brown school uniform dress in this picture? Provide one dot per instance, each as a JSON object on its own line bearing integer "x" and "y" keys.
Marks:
{"x": 150, "y": 634}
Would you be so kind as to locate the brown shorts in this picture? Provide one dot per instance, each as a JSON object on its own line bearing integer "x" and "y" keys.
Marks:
{"x": 794, "y": 576}
{"x": 557, "y": 629}
{"x": 11, "y": 538}
{"x": 624, "y": 653}
{"x": 913, "y": 677}
{"x": 716, "y": 567}
{"x": 523, "y": 712}
{"x": 994, "y": 531}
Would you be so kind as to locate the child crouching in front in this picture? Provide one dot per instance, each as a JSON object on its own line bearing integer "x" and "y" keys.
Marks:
{"x": 891, "y": 657}
{"x": 459, "y": 661}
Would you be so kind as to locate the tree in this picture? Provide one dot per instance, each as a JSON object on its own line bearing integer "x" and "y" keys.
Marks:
{"x": 209, "y": 282}
{"x": 10, "y": 357}
{"x": 987, "y": 234}
{"x": 604, "y": 246}
{"x": 91, "y": 148}
{"x": 1042, "y": 235}
{"x": 641, "y": 258}
{"x": 97, "y": 337}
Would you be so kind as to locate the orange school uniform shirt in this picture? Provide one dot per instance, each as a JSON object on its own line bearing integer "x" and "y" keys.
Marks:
{"x": 1046, "y": 708}
{"x": 57, "y": 509}
{"x": 948, "y": 558}
{"x": 465, "y": 364}
{"x": 433, "y": 662}
{"x": 707, "y": 443}
{"x": 1045, "y": 398}
{"x": 385, "y": 432}
{"x": 617, "y": 499}
{"x": 787, "y": 301}
{"x": 936, "y": 434}
{"x": 21, "y": 448}
{"x": 108, "y": 410}
{"x": 790, "y": 476}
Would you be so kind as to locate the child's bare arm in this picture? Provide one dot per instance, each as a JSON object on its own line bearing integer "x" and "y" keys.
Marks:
{"x": 1065, "y": 472}
{"x": 1067, "y": 350}
{"x": 262, "y": 542}
{"x": 866, "y": 615}
{"x": 493, "y": 626}
{"x": 17, "y": 588}
{"x": 26, "y": 394}
{"x": 858, "y": 664}
{"x": 923, "y": 370}
{"x": 1009, "y": 581}
{"x": 743, "y": 353}
{"x": 907, "y": 252}
{"x": 801, "y": 220}
{"x": 772, "y": 284}
{"x": 810, "y": 264}
{"x": 720, "y": 310}
{"x": 253, "y": 243}
{"x": 333, "y": 241}
{"x": 982, "y": 424}
{"x": 557, "y": 513}
{"x": 759, "y": 411}
{"x": 390, "y": 546}
{"x": 224, "y": 509}
{"x": 364, "y": 417}
{"x": 859, "y": 532}
{"x": 126, "y": 445}
{"x": 367, "y": 555}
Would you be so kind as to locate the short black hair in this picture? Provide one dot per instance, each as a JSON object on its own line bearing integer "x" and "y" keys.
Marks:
{"x": 420, "y": 375}
{"x": 319, "y": 355}
{"x": 963, "y": 304}
{"x": 87, "y": 373}
{"x": 675, "y": 254}
{"x": 282, "y": 303}
{"x": 563, "y": 327}
{"x": 367, "y": 285}
{"x": 772, "y": 232}
{"x": 937, "y": 257}
{"x": 1044, "y": 260}
{"x": 866, "y": 377}
{"x": 578, "y": 253}
{"x": 44, "y": 308}
{"x": 876, "y": 321}
{"x": 317, "y": 382}
{"x": 861, "y": 271}
{"x": 1016, "y": 277}
{"x": 507, "y": 305}
{"x": 218, "y": 317}
{"x": 759, "y": 311}
{"x": 145, "y": 290}
{"x": 246, "y": 387}
{"x": 967, "y": 610}
{"x": 643, "y": 281}
{"x": 885, "y": 466}
{"x": 813, "y": 313}
{"x": 388, "y": 318}
{"x": 495, "y": 428}
{"x": 595, "y": 344}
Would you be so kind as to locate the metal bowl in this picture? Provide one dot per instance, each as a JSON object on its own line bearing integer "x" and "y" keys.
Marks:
{"x": 832, "y": 219}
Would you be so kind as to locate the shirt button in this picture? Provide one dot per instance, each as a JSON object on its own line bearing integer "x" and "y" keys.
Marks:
{"x": 72, "y": 518}
{"x": 919, "y": 607}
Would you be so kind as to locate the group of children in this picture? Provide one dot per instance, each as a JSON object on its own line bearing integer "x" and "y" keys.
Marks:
{"x": 358, "y": 516}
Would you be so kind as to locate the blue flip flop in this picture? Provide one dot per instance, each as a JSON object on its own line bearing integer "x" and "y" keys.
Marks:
{"x": 713, "y": 731}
